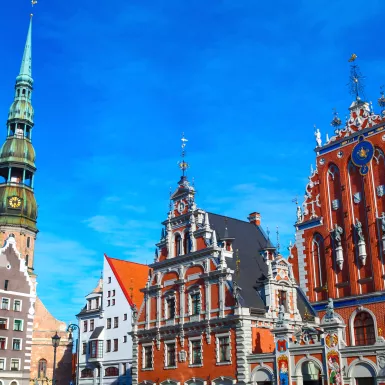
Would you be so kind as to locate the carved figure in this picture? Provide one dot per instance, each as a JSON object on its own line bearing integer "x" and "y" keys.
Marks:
{"x": 237, "y": 293}
{"x": 318, "y": 139}
{"x": 337, "y": 232}
{"x": 134, "y": 313}
{"x": 358, "y": 227}
{"x": 281, "y": 315}
{"x": 299, "y": 214}
{"x": 383, "y": 222}
{"x": 330, "y": 309}
{"x": 381, "y": 364}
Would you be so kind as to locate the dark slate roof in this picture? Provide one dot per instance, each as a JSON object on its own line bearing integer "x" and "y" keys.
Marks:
{"x": 96, "y": 333}
{"x": 250, "y": 240}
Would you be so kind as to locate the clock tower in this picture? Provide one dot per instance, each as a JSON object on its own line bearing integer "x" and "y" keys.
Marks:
{"x": 18, "y": 208}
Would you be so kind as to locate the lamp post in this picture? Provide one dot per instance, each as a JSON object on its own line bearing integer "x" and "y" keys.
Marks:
{"x": 55, "y": 344}
{"x": 70, "y": 329}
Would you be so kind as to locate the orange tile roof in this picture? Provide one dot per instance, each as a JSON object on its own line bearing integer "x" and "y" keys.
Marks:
{"x": 132, "y": 277}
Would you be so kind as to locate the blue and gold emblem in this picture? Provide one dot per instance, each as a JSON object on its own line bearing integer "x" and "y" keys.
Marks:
{"x": 362, "y": 154}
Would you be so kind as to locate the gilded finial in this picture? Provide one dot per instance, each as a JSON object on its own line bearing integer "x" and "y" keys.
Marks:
{"x": 183, "y": 165}
{"x": 352, "y": 58}
{"x": 355, "y": 79}
{"x": 33, "y": 2}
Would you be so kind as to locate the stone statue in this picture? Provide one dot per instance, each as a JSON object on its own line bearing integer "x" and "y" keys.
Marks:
{"x": 281, "y": 315}
{"x": 383, "y": 222}
{"x": 299, "y": 214}
{"x": 237, "y": 293}
{"x": 318, "y": 139}
{"x": 358, "y": 227}
{"x": 329, "y": 310}
{"x": 134, "y": 313}
{"x": 337, "y": 232}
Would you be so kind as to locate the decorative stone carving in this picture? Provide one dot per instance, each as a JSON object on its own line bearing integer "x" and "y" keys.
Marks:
{"x": 337, "y": 232}
{"x": 318, "y": 139}
{"x": 329, "y": 316}
{"x": 335, "y": 204}
{"x": 361, "y": 242}
{"x": 380, "y": 191}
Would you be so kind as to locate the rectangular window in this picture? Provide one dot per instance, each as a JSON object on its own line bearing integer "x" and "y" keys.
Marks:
{"x": 16, "y": 305}
{"x": 3, "y": 342}
{"x": 224, "y": 349}
{"x": 147, "y": 359}
{"x": 125, "y": 317}
{"x": 96, "y": 349}
{"x": 109, "y": 279}
{"x": 108, "y": 347}
{"x": 171, "y": 308}
{"x": 108, "y": 303}
{"x": 85, "y": 323}
{"x": 170, "y": 354}
{"x": 108, "y": 323}
{"x": 15, "y": 364}
{"x": 116, "y": 322}
{"x": 113, "y": 302}
{"x": 16, "y": 344}
{"x": 5, "y": 304}
{"x": 124, "y": 338}
{"x": 18, "y": 325}
{"x": 196, "y": 356}
{"x": 109, "y": 293}
{"x": 2, "y": 363}
{"x": 6, "y": 283}
{"x": 97, "y": 303}
{"x": 3, "y": 323}
{"x": 113, "y": 293}
{"x": 84, "y": 348}
{"x": 195, "y": 304}
{"x": 91, "y": 325}
{"x": 116, "y": 343}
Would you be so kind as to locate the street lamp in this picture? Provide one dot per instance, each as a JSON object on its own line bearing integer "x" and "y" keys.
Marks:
{"x": 55, "y": 344}
{"x": 70, "y": 329}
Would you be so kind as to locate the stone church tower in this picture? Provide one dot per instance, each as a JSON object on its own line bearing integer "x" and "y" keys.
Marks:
{"x": 18, "y": 217}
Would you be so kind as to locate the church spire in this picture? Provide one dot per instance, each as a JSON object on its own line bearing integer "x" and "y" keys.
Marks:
{"x": 26, "y": 64}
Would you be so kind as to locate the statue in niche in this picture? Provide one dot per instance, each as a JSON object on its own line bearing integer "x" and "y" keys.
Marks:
{"x": 330, "y": 310}
{"x": 299, "y": 214}
{"x": 134, "y": 313}
{"x": 237, "y": 293}
{"x": 358, "y": 227}
{"x": 281, "y": 315}
{"x": 337, "y": 232}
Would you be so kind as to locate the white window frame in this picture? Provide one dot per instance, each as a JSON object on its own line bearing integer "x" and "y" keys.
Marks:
{"x": 21, "y": 344}
{"x": 217, "y": 347}
{"x": 9, "y": 303}
{"x": 144, "y": 356}
{"x": 5, "y": 363}
{"x": 169, "y": 295}
{"x": 190, "y": 341}
{"x": 10, "y": 364}
{"x": 166, "y": 343}
{"x": 7, "y": 318}
{"x": 21, "y": 305}
{"x": 6, "y": 342}
{"x": 22, "y": 325}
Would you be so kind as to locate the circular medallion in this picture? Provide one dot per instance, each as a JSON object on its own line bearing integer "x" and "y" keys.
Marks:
{"x": 362, "y": 153}
{"x": 14, "y": 202}
{"x": 322, "y": 161}
{"x": 340, "y": 154}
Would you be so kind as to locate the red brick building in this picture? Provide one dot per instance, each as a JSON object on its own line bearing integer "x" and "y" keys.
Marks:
{"x": 340, "y": 238}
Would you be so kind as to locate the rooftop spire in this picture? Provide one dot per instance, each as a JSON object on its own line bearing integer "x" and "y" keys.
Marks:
{"x": 183, "y": 165}
{"x": 26, "y": 64}
{"x": 355, "y": 84}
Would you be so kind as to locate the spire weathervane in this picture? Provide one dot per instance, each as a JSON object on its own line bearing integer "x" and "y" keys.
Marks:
{"x": 183, "y": 165}
{"x": 356, "y": 84}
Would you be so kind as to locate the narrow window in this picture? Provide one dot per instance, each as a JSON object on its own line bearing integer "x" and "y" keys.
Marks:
{"x": 364, "y": 329}
{"x": 195, "y": 303}
{"x": 224, "y": 349}
{"x": 124, "y": 338}
{"x": 108, "y": 323}
{"x": 109, "y": 279}
{"x": 170, "y": 354}
{"x": 2, "y": 363}
{"x": 28, "y": 242}
{"x": 16, "y": 344}
{"x": 26, "y": 260}
{"x": 116, "y": 322}
{"x": 108, "y": 347}
{"x": 171, "y": 308}
{"x": 3, "y": 324}
{"x": 5, "y": 304}
{"x": 91, "y": 325}
{"x": 84, "y": 348}
{"x": 85, "y": 326}
{"x": 113, "y": 293}
{"x": 125, "y": 317}
{"x": 178, "y": 241}
{"x": 42, "y": 368}
{"x": 116, "y": 342}
{"x": 2, "y": 343}
{"x": 15, "y": 364}
{"x": 109, "y": 293}
{"x": 147, "y": 357}
{"x": 113, "y": 302}
{"x": 18, "y": 325}
{"x": 6, "y": 282}
{"x": 17, "y": 305}
{"x": 282, "y": 299}
{"x": 196, "y": 353}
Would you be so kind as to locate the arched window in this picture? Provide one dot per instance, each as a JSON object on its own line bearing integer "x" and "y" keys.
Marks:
{"x": 318, "y": 254}
{"x": 333, "y": 171}
{"x": 177, "y": 245}
{"x": 378, "y": 154}
{"x": 87, "y": 373}
{"x": 42, "y": 368}
{"x": 187, "y": 243}
{"x": 364, "y": 333}
{"x": 111, "y": 372}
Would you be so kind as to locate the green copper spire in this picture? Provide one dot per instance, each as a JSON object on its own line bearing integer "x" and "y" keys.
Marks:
{"x": 25, "y": 74}
{"x": 18, "y": 206}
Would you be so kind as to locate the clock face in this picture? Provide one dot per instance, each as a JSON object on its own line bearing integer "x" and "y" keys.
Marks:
{"x": 14, "y": 202}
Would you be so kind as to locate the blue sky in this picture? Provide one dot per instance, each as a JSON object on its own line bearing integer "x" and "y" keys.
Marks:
{"x": 116, "y": 82}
